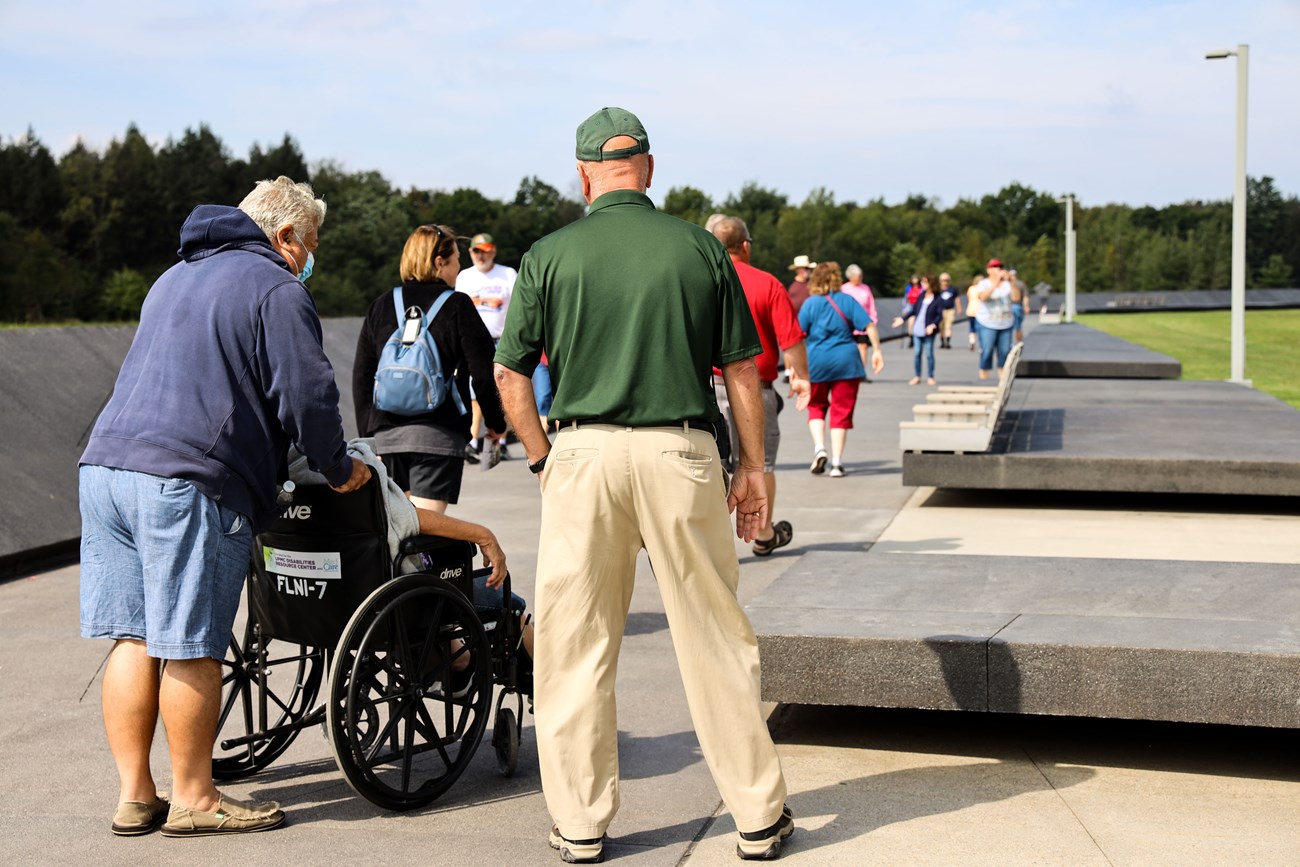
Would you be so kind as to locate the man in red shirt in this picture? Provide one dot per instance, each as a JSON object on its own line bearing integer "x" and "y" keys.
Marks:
{"x": 778, "y": 328}
{"x": 801, "y": 266}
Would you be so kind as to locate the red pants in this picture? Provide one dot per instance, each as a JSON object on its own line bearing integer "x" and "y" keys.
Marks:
{"x": 840, "y": 395}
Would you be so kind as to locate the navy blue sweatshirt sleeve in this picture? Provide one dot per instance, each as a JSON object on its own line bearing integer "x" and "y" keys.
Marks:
{"x": 299, "y": 381}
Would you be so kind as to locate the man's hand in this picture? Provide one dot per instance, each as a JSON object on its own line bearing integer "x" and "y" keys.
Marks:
{"x": 748, "y": 499}
{"x": 877, "y": 361}
{"x": 496, "y": 558}
{"x": 801, "y": 391}
{"x": 360, "y": 475}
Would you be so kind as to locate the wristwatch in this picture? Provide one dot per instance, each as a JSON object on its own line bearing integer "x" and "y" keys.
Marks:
{"x": 540, "y": 465}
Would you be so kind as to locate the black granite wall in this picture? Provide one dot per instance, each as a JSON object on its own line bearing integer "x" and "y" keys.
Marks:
{"x": 53, "y": 383}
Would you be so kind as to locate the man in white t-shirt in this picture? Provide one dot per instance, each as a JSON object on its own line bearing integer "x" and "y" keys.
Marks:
{"x": 489, "y": 286}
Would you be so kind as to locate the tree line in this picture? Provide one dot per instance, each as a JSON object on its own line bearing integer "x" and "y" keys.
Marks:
{"x": 83, "y": 236}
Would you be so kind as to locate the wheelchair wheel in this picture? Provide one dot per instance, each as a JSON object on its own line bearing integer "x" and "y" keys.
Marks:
{"x": 505, "y": 738}
{"x": 253, "y": 708}
{"x": 409, "y": 692}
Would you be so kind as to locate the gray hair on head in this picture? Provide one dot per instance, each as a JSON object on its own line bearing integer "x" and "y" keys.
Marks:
{"x": 731, "y": 231}
{"x": 852, "y": 271}
{"x": 273, "y": 204}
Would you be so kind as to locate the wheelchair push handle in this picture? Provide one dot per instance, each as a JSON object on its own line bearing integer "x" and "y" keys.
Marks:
{"x": 284, "y": 494}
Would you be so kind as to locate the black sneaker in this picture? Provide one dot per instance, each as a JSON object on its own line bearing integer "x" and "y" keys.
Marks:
{"x": 578, "y": 851}
{"x": 765, "y": 845}
{"x": 471, "y": 453}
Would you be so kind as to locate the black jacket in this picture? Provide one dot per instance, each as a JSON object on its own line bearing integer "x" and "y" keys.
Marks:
{"x": 463, "y": 342}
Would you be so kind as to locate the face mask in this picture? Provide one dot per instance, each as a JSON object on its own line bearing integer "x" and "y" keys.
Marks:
{"x": 307, "y": 266}
{"x": 306, "y": 269}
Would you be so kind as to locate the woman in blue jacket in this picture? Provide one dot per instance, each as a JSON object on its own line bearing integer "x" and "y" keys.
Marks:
{"x": 926, "y": 316}
{"x": 829, "y": 317}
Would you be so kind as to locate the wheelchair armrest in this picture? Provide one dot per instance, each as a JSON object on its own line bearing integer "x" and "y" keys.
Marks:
{"x": 424, "y": 544}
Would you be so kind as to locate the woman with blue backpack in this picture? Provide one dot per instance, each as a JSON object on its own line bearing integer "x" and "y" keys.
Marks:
{"x": 420, "y": 346}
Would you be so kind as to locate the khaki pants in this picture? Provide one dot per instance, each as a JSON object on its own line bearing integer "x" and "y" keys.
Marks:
{"x": 608, "y": 492}
{"x": 949, "y": 317}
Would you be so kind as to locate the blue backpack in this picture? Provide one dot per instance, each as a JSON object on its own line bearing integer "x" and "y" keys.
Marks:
{"x": 409, "y": 379}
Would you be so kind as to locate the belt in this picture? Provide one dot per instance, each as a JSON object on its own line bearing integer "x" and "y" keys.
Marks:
{"x": 692, "y": 423}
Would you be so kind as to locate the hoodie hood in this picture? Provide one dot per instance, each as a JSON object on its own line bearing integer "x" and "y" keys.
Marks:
{"x": 210, "y": 229}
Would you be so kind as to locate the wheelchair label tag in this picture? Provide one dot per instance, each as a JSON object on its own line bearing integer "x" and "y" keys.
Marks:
{"x": 325, "y": 565}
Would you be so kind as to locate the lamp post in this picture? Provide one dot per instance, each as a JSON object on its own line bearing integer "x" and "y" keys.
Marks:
{"x": 1238, "y": 374}
{"x": 1069, "y": 257}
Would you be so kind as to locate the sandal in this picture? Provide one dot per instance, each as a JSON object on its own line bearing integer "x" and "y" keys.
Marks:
{"x": 782, "y": 533}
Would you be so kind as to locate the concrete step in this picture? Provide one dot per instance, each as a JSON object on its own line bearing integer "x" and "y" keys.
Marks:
{"x": 1137, "y": 639}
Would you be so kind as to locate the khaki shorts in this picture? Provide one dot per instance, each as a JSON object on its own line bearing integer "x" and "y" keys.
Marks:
{"x": 771, "y": 430}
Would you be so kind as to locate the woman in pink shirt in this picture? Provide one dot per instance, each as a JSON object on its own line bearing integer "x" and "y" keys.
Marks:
{"x": 861, "y": 293}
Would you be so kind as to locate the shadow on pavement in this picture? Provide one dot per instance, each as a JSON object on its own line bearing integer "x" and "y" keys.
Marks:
{"x": 1193, "y": 748}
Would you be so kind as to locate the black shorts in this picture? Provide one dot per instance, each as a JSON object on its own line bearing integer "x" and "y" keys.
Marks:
{"x": 862, "y": 338}
{"x": 434, "y": 477}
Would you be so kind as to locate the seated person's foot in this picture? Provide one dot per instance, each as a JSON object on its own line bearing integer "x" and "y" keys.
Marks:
{"x": 524, "y": 682}
{"x": 461, "y": 680}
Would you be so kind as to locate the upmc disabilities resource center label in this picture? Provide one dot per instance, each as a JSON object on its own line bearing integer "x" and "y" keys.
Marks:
{"x": 302, "y": 573}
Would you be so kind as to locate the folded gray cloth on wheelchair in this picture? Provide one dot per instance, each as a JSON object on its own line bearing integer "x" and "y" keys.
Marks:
{"x": 402, "y": 520}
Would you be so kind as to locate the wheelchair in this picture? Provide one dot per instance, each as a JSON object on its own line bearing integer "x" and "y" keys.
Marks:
{"x": 406, "y": 663}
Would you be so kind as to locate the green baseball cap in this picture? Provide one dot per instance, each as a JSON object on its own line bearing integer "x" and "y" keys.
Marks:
{"x": 603, "y": 126}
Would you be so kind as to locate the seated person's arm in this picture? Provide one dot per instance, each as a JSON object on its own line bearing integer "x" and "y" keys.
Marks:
{"x": 434, "y": 524}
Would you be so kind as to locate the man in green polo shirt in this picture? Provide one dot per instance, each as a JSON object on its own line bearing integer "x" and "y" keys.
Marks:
{"x": 634, "y": 308}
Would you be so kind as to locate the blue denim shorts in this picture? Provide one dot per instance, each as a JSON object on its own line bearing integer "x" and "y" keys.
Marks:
{"x": 160, "y": 562}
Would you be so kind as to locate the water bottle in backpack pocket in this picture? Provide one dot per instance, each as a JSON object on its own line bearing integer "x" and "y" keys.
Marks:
{"x": 409, "y": 379}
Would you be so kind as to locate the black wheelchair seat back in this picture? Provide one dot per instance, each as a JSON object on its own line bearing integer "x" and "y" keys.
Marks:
{"x": 325, "y": 553}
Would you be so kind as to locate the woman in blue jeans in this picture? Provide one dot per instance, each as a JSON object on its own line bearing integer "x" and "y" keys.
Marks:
{"x": 994, "y": 320}
{"x": 926, "y": 315}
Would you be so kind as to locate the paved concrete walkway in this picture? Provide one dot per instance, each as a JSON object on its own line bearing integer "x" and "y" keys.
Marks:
{"x": 868, "y": 787}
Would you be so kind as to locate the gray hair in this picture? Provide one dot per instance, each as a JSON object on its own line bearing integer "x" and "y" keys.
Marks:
{"x": 713, "y": 220}
{"x": 272, "y": 204}
{"x": 852, "y": 271}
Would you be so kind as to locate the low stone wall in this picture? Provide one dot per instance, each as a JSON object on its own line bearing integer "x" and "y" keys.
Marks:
{"x": 55, "y": 382}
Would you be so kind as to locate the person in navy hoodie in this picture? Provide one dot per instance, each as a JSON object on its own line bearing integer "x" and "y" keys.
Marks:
{"x": 226, "y": 371}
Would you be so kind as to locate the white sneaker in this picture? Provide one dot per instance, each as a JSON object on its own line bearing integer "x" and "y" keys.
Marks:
{"x": 819, "y": 463}
{"x": 837, "y": 471}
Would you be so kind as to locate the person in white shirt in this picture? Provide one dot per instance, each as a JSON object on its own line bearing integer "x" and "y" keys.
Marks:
{"x": 489, "y": 286}
{"x": 993, "y": 319}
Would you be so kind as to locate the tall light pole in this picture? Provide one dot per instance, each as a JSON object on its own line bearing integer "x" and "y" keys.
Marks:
{"x": 1238, "y": 218}
{"x": 1069, "y": 257}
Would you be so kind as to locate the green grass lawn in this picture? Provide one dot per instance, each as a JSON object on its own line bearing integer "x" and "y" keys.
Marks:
{"x": 1201, "y": 341}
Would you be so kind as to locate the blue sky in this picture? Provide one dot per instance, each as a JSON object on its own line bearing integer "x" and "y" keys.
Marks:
{"x": 1112, "y": 101}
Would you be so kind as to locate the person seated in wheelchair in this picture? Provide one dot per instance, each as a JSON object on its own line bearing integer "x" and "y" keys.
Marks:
{"x": 405, "y": 520}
